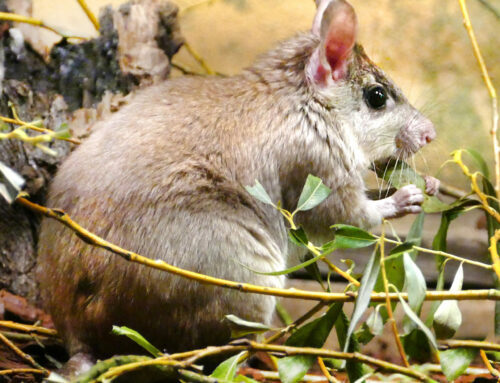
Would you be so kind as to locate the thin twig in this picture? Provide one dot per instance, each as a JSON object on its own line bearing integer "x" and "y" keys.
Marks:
{"x": 444, "y": 254}
{"x": 199, "y": 59}
{"x": 39, "y": 23}
{"x": 490, "y": 8}
{"x": 24, "y": 371}
{"x": 28, "y": 328}
{"x": 31, "y": 126}
{"x": 295, "y": 324}
{"x": 455, "y": 343}
{"x": 325, "y": 371}
{"x": 488, "y": 365}
{"x": 491, "y": 90}
{"x": 383, "y": 365}
{"x": 286, "y": 350}
{"x": 89, "y": 14}
{"x": 184, "y": 69}
{"x": 341, "y": 272}
{"x": 388, "y": 304}
{"x": 159, "y": 264}
{"x": 19, "y": 352}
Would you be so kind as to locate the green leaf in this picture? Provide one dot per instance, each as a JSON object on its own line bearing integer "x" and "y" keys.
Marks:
{"x": 364, "y": 335}
{"x": 346, "y": 237}
{"x": 416, "y": 345}
{"x": 415, "y": 283}
{"x": 62, "y": 131}
{"x": 102, "y": 366}
{"x": 355, "y": 370}
{"x": 286, "y": 271}
{"x": 313, "y": 334}
{"x": 283, "y": 314}
{"x": 240, "y": 327}
{"x": 258, "y": 192}
{"x": 448, "y": 318}
{"x": 375, "y": 322}
{"x": 137, "y": 338}
{"x": 244, "y": 379}
{"x": 439, "y": 243}
{"x": 227, "y": 369}
{"x": 349, "y": 237}
{"x": 298, "y": 237}
{"x": 492, "y": 225}
{"x": 480, "y": 162}
{"x": 370, "y": 276}
{"x": 313, "y": 194}
{"x": 313, "y": 269}
{"x": 414, "y": 317}
{"x": 454, "y": 362}
{"x": 399, "y": 174}
{"x": 11, "y": 183}
{"x": 399, "y": 250}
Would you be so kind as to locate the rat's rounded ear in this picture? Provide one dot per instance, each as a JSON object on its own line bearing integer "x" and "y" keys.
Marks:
{"x": 336, "y": 25}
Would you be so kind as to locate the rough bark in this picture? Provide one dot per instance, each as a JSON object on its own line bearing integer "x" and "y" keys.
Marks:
{"x": 134, "y": 48}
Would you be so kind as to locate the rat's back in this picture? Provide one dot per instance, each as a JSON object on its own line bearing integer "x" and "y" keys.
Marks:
{"x": 157, "y": 178}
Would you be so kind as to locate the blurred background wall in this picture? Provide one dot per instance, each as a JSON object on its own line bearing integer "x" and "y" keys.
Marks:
{"x": 422, "y": 45}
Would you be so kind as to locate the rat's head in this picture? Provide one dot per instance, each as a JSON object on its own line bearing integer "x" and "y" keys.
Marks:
{"x": 359, "y": 94}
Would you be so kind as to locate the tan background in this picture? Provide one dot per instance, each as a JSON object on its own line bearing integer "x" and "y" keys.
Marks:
{"x": 421, "y": 44}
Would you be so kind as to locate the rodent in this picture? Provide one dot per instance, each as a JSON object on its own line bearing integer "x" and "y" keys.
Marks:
{"x": 165, "y": 177}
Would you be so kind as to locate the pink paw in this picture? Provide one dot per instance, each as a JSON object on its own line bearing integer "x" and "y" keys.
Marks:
{"x": 431, "y": 185}
{"x": 408, "y": 200}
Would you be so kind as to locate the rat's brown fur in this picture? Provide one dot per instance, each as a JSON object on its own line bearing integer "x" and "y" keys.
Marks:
{"x": 165, "y": 177}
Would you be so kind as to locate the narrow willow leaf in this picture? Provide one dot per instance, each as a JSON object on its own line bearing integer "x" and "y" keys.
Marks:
{"x": 351, "y": 237}
{"x": 416, "y": 345}
{"x": 298, "y": 237}
{"x": 415, "y": 233}
{"x": 480, "y": 162}
{"x": 416, "y": 287}
{"x": 375, "y": 322}
{"x": 439, "y": 243}
{"x": 227, "y": 369}
{"x": 370, "y": 276}
{"x": 399, "y": 250}
{"x": 244, "y": 379}
{"x": 258, "y": 192}
{"x": 414, "y": 317}
{"x": 355, "y": 370}
{"x": 454, "y": 362}
{"x": 240, "y": 327}
{"x": 493, "y": 225}
{"x": 11, "y": 183}
{"x": 314, "y": 334}
{"x": 313, "y": 194}
{"x": 415, "y": 282}
{"x": 364, "y": 335}
{"x": 313, "y": 269}
{"x": 448, "y": 318}
{"x": 137, "y": 338}
{"x": 286, "y": 271}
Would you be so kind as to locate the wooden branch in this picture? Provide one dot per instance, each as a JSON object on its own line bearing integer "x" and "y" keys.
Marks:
{"x": 159, "y": 264}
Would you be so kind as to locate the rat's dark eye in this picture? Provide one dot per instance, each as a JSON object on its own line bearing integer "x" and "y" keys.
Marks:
{"x": 376, "y": 97}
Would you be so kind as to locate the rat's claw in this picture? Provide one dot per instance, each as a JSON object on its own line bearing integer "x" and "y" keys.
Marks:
{"x": 431, "y": 185}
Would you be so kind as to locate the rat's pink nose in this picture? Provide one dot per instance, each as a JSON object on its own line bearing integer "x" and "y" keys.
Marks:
{"x": 427, "y": 133}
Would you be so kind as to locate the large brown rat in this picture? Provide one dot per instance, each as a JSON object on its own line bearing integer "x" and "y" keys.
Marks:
{"x": 165, "y": 177}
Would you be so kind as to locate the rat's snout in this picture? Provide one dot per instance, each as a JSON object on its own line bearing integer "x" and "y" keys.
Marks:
{"x": 415, "y": 135}
{"x": 426, "y": 132}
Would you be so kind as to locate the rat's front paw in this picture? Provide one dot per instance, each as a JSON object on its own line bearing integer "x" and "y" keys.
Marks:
{"x": 431, "y": 185}
{"x": 407, "y": 200}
